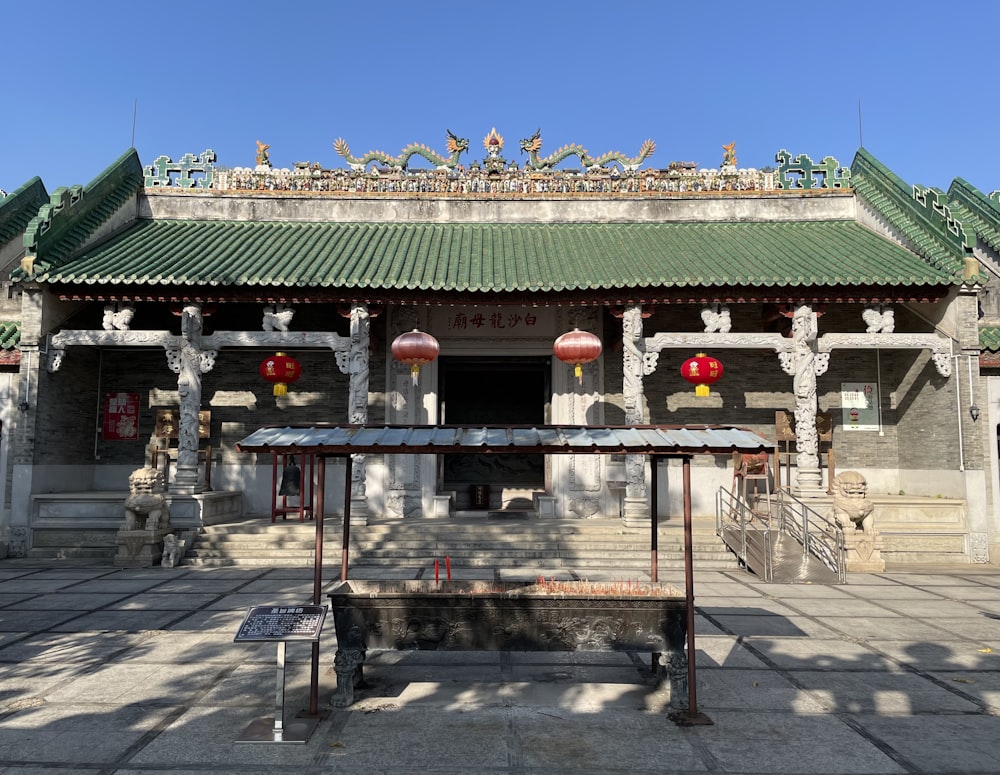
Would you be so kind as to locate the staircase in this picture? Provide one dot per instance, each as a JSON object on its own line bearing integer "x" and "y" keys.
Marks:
{"x": 580, "y": 545}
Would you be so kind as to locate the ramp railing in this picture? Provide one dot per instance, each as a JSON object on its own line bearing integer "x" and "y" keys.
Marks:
{"x": 744, "y": 531}
{"x": 793, "y": 542}
{"x": 820, "y": 537}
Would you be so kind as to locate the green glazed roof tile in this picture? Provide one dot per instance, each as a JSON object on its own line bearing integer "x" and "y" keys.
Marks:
{"x": 894, "y": 200}
{"x": 73, "y": 214}
{"x": 989, "y": 338}
{"x": 498, "y": 257}
{"x": 17, "y": 209}
{"x": 10, "y": 334}
{"x": 977, "y": 211}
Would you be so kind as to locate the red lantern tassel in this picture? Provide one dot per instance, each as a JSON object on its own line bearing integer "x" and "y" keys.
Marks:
{"x": 415, "y": 373}
{"x": 280, "y": 389}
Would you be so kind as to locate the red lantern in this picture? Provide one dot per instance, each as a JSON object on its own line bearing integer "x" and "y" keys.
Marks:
{"x": 702, "y": 371}
{"x": 577, "y": 347}
{"x": 415, "y": 349}
{"x": 280, "y": 369}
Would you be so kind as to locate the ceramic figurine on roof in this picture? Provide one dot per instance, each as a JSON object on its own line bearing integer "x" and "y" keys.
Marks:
{"x": 263, "y": 158}
{"x": 532, "y": 145}
{"x": 493, "y": 143}
{"x": 456, "y": 146}
{"x": 729, "y": 156}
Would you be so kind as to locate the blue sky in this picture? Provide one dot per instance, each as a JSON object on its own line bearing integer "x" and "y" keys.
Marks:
{"x": 384, "y": 73}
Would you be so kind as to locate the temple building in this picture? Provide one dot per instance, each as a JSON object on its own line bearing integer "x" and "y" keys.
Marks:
{"x": 163, "y": 312}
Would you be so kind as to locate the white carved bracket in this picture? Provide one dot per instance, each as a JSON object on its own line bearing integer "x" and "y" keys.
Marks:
{"x": 940, "y": 346}
{"x": 215, "y": 342}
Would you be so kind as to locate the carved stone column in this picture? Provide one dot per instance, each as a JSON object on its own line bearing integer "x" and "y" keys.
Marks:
{"x": 189, "y": 362}
{"x": 356, "y": 366}
{"x": 636, "y": 506}
{"x": 804, "y": 364}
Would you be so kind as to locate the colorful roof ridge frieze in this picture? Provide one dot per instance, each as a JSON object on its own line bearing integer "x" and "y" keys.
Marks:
{"x": 73, "y": 214}
{"x": 18, "y": 208}
{"x": 394, "y": 257}
{"x": 610, "y": 173}
{"x": 190, "y": 172}
{"x": 10, "y": 340}
{"x": 920, "y": 215}
{"x": 979, "y": 212}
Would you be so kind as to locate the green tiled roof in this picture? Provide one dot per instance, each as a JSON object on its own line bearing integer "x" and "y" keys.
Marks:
{"x": 17, "y": 209}
{"x": 977, "y": 211}
{"x": 10, "y": 334}
{"x": 74, "y": 214}
{"x": 894, "y": 201}
{"x": 498, "y": 257}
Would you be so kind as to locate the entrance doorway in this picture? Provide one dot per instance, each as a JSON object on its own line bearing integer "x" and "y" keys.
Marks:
{"x": 493, "y": 391}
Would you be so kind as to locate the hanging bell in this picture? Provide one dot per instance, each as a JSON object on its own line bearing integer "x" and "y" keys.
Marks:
{"x": 291, "y": 479}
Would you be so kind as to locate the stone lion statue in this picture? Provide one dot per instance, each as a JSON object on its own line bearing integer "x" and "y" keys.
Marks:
{"x": 850, "y": 502}
{"x": 146, "y": 506}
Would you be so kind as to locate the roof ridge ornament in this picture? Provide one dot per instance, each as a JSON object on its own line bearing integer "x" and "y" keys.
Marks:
{"x": 532, "y": 145}
{"x": 803, "y": 172}
{"x": 456, "y": 146}
{"x": 190, "y": 172}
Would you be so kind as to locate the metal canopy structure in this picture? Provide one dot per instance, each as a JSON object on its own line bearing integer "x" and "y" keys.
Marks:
{"x": 656, "y": 441}
{"x": 671, "y": 440}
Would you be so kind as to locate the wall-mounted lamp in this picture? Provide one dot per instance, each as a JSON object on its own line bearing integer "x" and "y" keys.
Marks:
{"x": 974, "y": 412}
{"x": 23, "y": 406}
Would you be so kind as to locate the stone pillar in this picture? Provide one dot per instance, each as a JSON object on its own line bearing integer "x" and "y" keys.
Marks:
{"x": 189, "y": 362}
{"x": 15, "y": 523}
{"x": 804, "y": 364}
{"x": 636, "y": 509}
{"x": 357, "y": 371}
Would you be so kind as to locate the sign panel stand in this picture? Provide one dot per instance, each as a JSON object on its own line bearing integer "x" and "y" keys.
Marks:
{"x": 281, "y": 624}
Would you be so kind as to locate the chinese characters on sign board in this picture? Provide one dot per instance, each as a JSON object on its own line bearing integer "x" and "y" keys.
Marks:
{"x": 121, "y": 416}
{"x": 492, "y": 320}
{"x": 860, "y": 406}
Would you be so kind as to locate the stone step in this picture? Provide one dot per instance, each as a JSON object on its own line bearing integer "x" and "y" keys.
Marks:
{"x": 468, "y": 543}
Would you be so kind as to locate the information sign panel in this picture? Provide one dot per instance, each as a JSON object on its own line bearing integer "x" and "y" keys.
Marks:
{"x": 282, "y": 622}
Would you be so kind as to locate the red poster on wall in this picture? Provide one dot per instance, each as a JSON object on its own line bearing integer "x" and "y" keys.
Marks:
{"x": 121, "y": 416}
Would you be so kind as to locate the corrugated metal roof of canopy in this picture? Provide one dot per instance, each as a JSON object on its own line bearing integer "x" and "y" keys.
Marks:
{"x": 504, "y": 439}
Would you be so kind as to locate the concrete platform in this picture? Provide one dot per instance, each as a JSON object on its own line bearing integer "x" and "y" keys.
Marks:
{"x": 135, "y": 671}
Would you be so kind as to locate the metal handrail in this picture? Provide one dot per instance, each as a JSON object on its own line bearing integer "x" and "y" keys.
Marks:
{"x": 820, "y": 537}
{"x": 733, "y": 513}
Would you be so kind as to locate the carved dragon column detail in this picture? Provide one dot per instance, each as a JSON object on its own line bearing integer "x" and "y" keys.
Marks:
{"x": 355, "y": 364}
{"x": 636, "y": 507}
{"x": 189, "y": 361}
{"x": 804, "y": 363}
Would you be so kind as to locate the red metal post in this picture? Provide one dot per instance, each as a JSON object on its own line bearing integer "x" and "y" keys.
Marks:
{"x": 317, "y": 583}
{"x": 345, "y": 546}
{"x": 654, "y": 546}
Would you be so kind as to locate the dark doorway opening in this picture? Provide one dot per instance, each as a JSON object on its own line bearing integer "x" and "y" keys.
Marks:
{"x": 493, "y": 391}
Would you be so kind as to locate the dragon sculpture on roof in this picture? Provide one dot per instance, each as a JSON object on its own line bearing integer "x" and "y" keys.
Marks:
{"x": 456, "y": 147}
{"x": 532, "y": 145}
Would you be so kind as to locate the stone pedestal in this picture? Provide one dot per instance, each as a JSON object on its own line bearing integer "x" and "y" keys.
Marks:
{"x": 139, "y": 548}
{"x": 635, "y": 512}
{"x": 545, "y": 506}
{"x": 441, "y": 506}
{"x": 864, "y": 552}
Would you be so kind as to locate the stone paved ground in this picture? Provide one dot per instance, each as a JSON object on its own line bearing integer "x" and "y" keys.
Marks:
{"x": 135, "y": 671}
